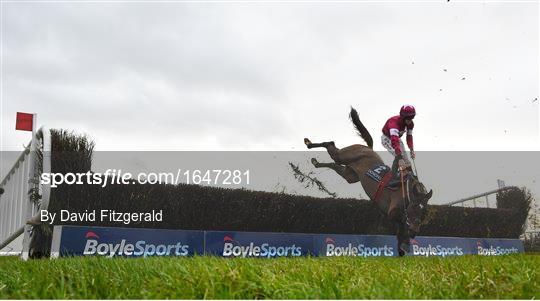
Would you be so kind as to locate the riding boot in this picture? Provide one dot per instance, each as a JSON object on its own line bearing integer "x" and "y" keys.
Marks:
{"x": 395, "y": 166}
{"x": 395, "y": 180}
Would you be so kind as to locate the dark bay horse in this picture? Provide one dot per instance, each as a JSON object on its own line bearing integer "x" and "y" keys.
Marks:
{"x": 352, "y": 163}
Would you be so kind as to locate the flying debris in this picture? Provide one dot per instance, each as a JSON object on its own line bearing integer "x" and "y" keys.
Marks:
{"x": 445, "y": 70}
{"x": 463, "y": 78}
{"x": 535, "y": 100}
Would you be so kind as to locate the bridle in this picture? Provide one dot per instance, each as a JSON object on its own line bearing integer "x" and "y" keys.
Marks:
{"x": 408, "y": 201}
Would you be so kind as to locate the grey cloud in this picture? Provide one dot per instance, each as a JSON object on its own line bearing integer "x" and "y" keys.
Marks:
{"x": 252, "y": 71}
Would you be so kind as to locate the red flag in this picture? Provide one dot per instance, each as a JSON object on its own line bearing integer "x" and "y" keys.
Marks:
{"x": 24, "y": 121}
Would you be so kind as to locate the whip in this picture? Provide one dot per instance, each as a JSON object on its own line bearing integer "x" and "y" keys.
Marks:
{"x": 402, "y": 188}
{"x": 415, "y": 171}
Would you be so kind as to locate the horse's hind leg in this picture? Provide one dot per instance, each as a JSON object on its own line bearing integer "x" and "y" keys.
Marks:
{"x": 309, "y": 144}
{"x": 346, "y": 172}
{"x": 343, "y": 156}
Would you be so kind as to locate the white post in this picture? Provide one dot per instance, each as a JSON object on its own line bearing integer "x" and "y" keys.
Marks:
{"x": 31, "y": 189}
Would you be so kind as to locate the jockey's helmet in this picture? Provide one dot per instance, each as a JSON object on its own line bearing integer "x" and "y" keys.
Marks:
{"x": 407, "y": 111}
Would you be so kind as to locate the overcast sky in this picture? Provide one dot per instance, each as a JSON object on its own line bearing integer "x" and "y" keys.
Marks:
{"x": 230, "y": 76}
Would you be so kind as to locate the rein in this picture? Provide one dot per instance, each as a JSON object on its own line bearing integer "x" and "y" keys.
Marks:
{"x": 407, "y": 201}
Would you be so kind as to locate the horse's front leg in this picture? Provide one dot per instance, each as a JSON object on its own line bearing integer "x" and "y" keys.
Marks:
{"x": 404, "y": 242}
{"x": 402, "y": 234}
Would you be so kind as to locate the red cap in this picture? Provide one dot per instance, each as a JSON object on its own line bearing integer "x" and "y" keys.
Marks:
{"x": 407, "y": 111}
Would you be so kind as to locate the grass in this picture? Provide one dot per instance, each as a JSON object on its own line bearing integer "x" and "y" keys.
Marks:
{"x": 466, "y": 277}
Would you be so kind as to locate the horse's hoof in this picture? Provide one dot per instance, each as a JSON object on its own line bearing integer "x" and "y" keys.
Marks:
{"x": 1, "y": 190}
{"x": 405, "y": 247}
{"x": 307, "y": 142}
{"x": 401, "y": 253}
{"x": 314, "y": 162}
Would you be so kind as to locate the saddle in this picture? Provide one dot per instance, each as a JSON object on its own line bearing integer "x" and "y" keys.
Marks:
{"x": 382, "y": 174}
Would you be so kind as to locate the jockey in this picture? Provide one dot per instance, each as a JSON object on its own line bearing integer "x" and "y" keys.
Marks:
{"x": 393, "y": 129}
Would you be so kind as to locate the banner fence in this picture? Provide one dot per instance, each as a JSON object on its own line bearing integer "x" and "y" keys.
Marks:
{"x": 136, "y": 242}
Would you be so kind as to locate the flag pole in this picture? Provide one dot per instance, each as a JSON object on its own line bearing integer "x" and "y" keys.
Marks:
{"x": 33, "y": 185}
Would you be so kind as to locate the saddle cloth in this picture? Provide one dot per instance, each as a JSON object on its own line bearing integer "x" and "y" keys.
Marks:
{"x": 379, "y": 172}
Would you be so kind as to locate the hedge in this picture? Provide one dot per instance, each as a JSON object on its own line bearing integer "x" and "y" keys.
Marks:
{"x": 209, "y": 208}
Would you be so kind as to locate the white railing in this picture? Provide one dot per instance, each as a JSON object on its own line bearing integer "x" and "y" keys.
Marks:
{"x": 479, "y": 199}
{"x": 18, "y": 202}
{"x": 533, "y": 235}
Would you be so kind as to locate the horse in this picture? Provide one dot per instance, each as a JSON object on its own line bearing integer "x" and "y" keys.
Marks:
{"x": 352, "y": 163}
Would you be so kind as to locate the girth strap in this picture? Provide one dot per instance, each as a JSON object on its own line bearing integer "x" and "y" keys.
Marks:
{"x": 382, "y": 184}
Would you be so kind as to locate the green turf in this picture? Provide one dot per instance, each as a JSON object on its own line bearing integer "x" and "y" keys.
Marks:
{"x": 466, "y": 277}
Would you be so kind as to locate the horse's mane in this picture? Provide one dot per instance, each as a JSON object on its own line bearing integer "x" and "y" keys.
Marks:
{"x": 360, "y": 128}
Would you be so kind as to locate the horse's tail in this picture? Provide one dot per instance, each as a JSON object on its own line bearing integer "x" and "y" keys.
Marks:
{"x": 362, "y": 131}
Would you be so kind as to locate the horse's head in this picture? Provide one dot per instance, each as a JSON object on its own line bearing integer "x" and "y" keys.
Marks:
{"x": 417, "y": 199}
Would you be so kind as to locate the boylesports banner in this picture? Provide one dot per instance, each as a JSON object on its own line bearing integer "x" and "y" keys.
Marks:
{"x": 134, "y": 242}
{"x": 125, "y": 242}
{"x": 257, "y": 244}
